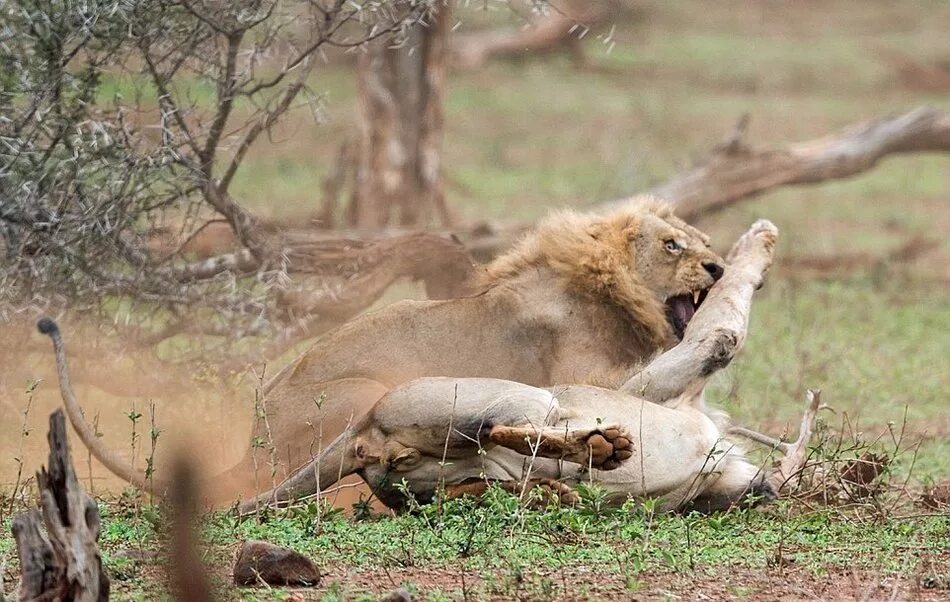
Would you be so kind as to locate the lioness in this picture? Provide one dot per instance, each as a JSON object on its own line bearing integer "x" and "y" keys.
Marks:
{"x": 465, "y": 433}
{"x": 579, "y": 295}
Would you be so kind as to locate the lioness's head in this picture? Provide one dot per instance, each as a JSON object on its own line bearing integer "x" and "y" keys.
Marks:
{"x": 642, "y": 258}
{"x": 674, "y": 260}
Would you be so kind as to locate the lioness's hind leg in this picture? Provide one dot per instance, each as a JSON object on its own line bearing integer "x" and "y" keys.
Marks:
{"x": 600, "y": 448}
{"x": 454, "y": 415}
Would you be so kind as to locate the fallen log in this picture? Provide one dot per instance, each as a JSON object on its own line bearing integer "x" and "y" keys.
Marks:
{"x": 333, "y": 278}
{"x": 735, "y": 170}
{"x": 64, "y": 562}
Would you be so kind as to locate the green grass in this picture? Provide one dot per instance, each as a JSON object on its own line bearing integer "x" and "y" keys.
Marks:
{"x": 509, "y": 550}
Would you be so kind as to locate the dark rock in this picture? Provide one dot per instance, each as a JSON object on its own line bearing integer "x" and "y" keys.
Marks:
{"x": 261, "y": 561}
{"x": 861, "y": 473}
{"x": 936, "y": 497}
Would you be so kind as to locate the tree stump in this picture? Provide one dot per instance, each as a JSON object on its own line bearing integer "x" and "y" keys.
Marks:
{"x": 63, "y": 563}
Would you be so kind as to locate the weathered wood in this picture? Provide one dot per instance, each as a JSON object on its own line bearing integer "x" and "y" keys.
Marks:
{"x": 401, "y": 88}
{"x": 39, "y": 571}
{"x": 334, "y": 279}
{"x": 736, "y": 171}
{"x": 561, "y": 26}
{"x": 63, "y": 564}
{"x": 718, "y": 329}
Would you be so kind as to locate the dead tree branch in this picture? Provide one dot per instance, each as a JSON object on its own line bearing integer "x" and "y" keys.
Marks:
{"x": 737, "y": 171}
{"x": 334, "y": 279}
{"x": 549, "y": 27}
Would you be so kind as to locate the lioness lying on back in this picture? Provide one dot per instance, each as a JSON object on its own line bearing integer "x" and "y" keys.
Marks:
{"x": 477, "y": 431}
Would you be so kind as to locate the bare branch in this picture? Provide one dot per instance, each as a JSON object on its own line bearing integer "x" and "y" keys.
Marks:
{"x": 226, "y": 95}
{"x": 736, "y": 171}
{"x": 259, "y": 126}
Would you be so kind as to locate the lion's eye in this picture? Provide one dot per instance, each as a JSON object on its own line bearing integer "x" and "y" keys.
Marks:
{"x": 672, "y": 246}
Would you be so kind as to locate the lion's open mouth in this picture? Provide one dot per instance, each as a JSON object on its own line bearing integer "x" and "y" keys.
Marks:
{"x": 680, "y": 309}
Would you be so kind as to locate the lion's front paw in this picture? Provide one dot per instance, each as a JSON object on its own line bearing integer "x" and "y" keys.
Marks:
{"x": 609, "y": 447}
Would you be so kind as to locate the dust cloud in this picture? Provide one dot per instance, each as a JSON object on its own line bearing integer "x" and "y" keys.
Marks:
{"x": 207, "y": 417}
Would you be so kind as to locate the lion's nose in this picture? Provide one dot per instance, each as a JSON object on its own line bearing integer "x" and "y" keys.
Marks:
{"x": 715, "y": 270}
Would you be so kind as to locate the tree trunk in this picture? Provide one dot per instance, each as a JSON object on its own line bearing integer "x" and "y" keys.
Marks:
{"x": 398, "y": 175}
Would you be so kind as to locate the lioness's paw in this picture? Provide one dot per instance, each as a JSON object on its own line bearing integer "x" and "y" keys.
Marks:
{"x": 554, "y": 491}
{"x": 609, "y": 447}
{"x": 757, "y": 242}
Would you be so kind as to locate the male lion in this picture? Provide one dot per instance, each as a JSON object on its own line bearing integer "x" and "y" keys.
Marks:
{"x": 580, "y": 295}
{"x": 465, "y": 433}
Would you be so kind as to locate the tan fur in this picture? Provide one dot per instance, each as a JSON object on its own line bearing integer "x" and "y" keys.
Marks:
{"x": 582, "y": 294}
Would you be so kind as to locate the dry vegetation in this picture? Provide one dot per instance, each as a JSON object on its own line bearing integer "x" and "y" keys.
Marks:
{"x": 844, "y": 309}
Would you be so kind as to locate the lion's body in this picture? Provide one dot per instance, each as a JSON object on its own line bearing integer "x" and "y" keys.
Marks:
{"x": 514, "y": 331}
{"x": 569, "y": 302}
{"x": 578, "y": 297}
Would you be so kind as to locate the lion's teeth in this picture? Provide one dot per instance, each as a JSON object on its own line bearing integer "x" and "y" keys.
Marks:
{"x": 696, "y": 297}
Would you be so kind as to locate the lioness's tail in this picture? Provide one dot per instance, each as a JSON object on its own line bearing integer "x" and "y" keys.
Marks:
{"x": 109, "y": 459}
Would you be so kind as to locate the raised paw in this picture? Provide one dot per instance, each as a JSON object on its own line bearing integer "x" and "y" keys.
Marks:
{"x": 754, "y": 249}
{"x": 609, "y": 447}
